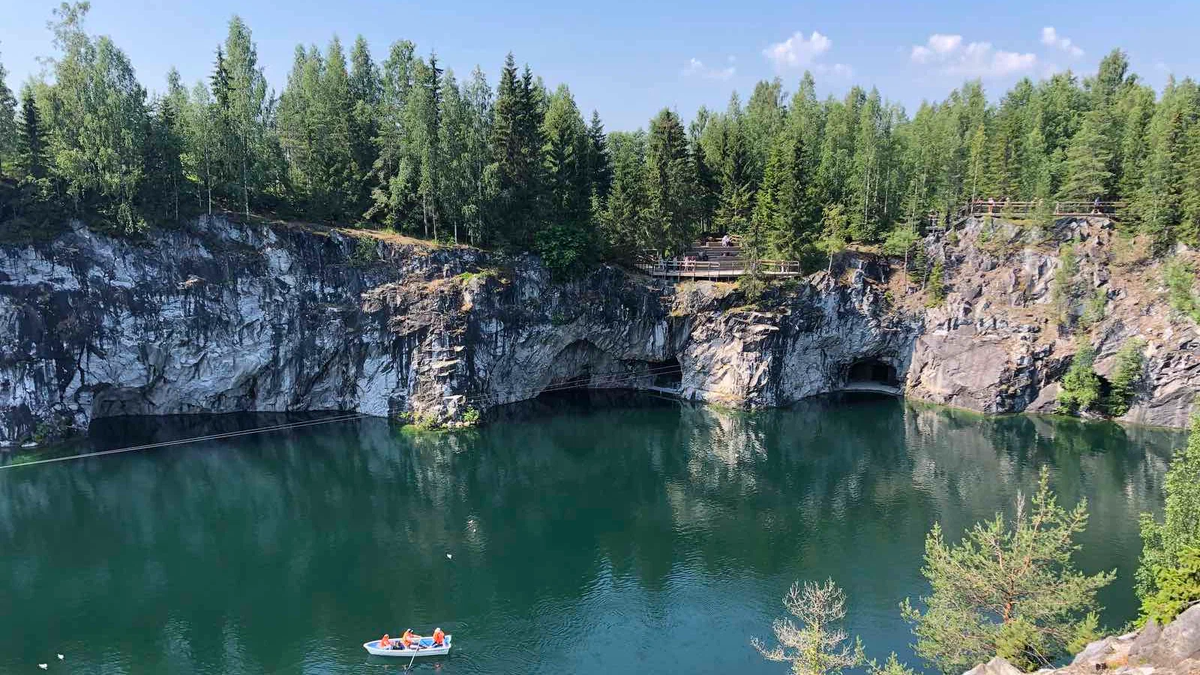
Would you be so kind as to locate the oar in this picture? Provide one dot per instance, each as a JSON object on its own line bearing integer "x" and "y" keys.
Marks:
{"x": 410, "y": 662}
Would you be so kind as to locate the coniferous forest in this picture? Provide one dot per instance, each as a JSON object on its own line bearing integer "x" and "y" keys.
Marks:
{"x": 402, "y": 143}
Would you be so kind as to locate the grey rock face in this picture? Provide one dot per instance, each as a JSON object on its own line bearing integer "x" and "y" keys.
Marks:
{"x": 222, "y": 317}
{"x": 996, "y": 346}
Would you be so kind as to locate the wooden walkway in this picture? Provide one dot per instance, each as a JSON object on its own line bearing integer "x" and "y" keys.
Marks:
{"x": 872, "y": 387}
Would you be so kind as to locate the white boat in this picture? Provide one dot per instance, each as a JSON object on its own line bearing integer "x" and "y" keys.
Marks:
{"x": 425, "y": 648}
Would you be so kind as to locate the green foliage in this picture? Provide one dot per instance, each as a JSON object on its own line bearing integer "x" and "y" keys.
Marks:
{"x": 818, "y": 644}
{"x": 1127, "y": 375}
{"x": 366, "y": 251}
{"x": 1180, "y": 281}
{"x": 1163, "y": 543}
{"x": 1008, "y": 588}
{"x": 892, "y": 666}
{"x": 1079, "y": 390}
{"x": 1178, "y": 587}
{"x": 8, "y": 122}
{"x": 403, "y": 144}
{"x": 1064, "y": 288}
{"x": 1094, "y": 309}
{"x": 936, "y": 286}
{"x": 564, "y": 250}
{"x": 470, "y": 418}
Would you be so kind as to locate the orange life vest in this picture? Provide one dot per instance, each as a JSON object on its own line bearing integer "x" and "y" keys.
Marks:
{"x": 438, "y": 637}
{"x": 385, "y": 642}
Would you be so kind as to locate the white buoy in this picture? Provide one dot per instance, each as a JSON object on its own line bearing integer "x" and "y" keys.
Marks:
{"x": 43, "y": 666}
{"x": 449, "y": 557}
{"x": 60, "y": 657}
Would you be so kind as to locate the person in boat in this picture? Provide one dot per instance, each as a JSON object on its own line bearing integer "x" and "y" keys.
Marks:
{"x": 385, "y": 642}
{"x": 439, "y": 638}
{"x": 410, "y": 640}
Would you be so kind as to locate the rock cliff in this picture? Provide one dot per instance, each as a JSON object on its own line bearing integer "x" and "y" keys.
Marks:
{"x": 997, "y": 344}
{"x": 221, "y": 317}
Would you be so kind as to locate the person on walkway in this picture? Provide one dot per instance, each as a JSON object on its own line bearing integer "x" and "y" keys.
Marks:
{"x": 1096, "y": 206}
{"x": 439, "y": 638}
{"x": 725, "y": 241}
{"x": 991, "y": 205}
{"x": 385, "y": 642}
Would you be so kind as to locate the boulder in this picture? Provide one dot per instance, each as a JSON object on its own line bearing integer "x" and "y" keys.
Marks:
{"x": 1180, "y": 641}
{"x": 997, "y": 666}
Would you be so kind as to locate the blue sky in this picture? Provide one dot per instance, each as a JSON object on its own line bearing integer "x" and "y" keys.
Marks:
{"x": 628, "y": 59}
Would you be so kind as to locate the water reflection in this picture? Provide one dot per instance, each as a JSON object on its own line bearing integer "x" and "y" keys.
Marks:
{"x": 567, "y": 520}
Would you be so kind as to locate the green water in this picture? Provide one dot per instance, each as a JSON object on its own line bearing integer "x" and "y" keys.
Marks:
{"x": 625, "y": 535}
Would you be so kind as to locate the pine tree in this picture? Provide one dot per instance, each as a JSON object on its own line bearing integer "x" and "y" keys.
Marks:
{"x": 392, "y": 198}
{"x": 241, "y": 92}
{"x": 1087, "y": 166}
{"x": 599, "y": 162}
{"x": 477, "y": 100}
{"x": 31, "y": 138}
{"x": 670, "y": 184}
{"x": 365, "y": 94}
{"x": 565, "y": 154}
{"x": 624, "y": 216}
{"x": 785, "y": 215}
{"x": 8, "y": 122}
{"x": 708, "y": 188}
{"x": 164, "y": 152}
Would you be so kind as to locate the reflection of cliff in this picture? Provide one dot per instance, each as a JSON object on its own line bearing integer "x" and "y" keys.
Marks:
{"x": 302, "y": 530}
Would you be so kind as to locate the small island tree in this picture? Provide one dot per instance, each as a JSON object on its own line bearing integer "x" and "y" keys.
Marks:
{"x": 1008, "y": 588}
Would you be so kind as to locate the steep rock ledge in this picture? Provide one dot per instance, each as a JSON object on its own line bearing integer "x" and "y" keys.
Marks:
{"x": 994, "y": 345}
{"x": 222, "y": 317}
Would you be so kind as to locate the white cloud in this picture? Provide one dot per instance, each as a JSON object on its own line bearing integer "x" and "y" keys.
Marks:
{"x": 797, "y": 51}
{"x": 696, "y": 68}
{"x": 1051, "y": 38}
{"x": 840, "y": 71}
{"x": 973, "y": 59}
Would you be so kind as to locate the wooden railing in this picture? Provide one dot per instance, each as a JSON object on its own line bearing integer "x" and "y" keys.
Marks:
{"x": 716, "y": 269}
{"x": 982, "y": 207}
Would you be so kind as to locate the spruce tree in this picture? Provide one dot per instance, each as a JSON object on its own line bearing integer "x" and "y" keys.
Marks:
{"x": 31, "y": 138}
{"x": 670, "y": 184}
{"x": 1087, "y": 166}
{"x": 8, "y": 123}
{"x": 599, "y": 162}
{"x": 365, "y": 95}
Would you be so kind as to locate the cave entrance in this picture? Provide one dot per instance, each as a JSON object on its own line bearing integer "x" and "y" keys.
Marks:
{"x": 667, "y": 374}
{"x": 872, "y": 371}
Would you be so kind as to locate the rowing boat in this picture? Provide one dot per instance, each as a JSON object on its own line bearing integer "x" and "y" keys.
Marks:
{"x": 425, "y": 648}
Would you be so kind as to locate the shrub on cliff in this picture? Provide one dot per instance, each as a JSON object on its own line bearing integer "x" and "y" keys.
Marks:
{"x": 1179, "y": 280}
{"x": 937, "y": 285}
{"x": 1008, "y": 588}
{"x": 1164, "y": 543}
{"x": 1178, "y": 588}
{"x": 1131, "y": 364}
{"x": 1063, "y": 290}
{"x": 564, "y": 250}
{"x": 1079, "y": 389}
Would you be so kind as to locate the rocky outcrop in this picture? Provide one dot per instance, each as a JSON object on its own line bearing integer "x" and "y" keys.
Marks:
{"x": 1155, "y": 650}
{"x": 999, "y": 343}
{"x": 222, "y": 317}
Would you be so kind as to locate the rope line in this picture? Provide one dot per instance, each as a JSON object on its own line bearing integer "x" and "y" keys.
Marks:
{"x": 196, "y": 439}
